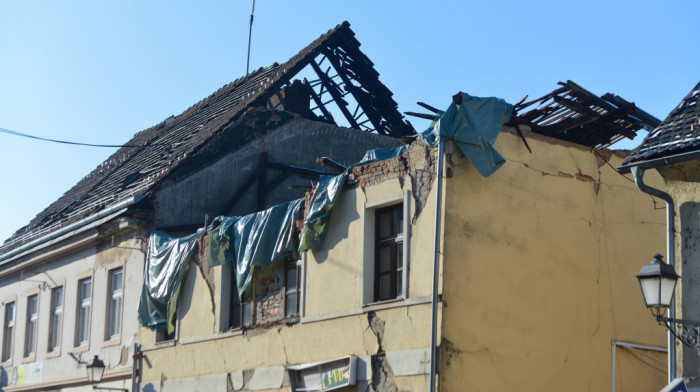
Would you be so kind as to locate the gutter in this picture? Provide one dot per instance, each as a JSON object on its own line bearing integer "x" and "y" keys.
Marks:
{"x": 653, "y": 163}
{"x": 10, "y": 256}
{"x": 638, "y": 172}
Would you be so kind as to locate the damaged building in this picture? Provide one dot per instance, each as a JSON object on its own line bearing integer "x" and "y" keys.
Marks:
{"x": 253, "y": 243}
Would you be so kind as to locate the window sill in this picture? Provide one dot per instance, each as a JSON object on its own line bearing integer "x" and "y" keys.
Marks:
{"x": 112, "y": 342}
{"x": 385, "y": 303}
{"x": 30, "y": 358}
{"x": 164, "y": 343}
{"x": 54, "y": 353}
{"x": 82, "y": 348}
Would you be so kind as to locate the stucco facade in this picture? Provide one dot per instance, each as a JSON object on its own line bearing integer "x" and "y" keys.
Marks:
{"x": 90, "y": 258}
{"x": 535, "y": 288}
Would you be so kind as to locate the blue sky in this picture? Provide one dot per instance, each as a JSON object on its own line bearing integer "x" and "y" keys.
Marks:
{"x": 99, "y": 71}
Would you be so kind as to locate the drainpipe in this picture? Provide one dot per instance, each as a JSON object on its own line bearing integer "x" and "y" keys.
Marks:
{"x": 7, "y": 257}
{"x": 670, "y": 251}
{"x": 134, "y": 366}
{"x": 436, "y": 259}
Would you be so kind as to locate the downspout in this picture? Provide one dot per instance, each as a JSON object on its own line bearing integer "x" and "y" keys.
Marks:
{"x": 7, "y": 257}
{"x": 134, "y": 366}
{"x": 638, "y": 174}
{"x": 436, "y": 259}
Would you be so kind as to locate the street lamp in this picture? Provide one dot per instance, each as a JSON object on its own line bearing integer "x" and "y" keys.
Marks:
{"x": 95, "y": 369}
{"x": 658, "y": 283}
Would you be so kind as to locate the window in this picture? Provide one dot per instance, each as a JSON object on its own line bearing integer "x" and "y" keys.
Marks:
{"x": 56, "y": 318}
{"x": 241, "y": 307}
{"x": 291, "y": 288}
{"x": 114, "y": 317}
{"x": 388, "y": 253}
{"x": 8, "y": 336}
{"x": 164, "y": 336}
{"x": 83, "y": 313}
{"x": 30, "y": 326}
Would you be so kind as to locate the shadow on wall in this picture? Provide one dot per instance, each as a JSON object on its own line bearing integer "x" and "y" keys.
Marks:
{"x": 337, "y": 232}
{"x": 149, "y": 388}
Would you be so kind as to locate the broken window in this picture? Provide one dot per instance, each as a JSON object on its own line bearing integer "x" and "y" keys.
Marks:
{"x": 164, "y": 336}
{"x": 292, "y": 272}
{"x": 388, "y": 253}
{"x": 241, "y": 308}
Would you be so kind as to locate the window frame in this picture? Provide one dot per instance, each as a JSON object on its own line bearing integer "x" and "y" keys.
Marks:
{"x": 111, "y": 335}
{"x": 31, "y": 320}
{"x": 369, "y": 246}
{"x": 77, "y": 343}
{"x": 8, "y": 347}
{"x": 394, "y": 242}
{"x": 290, "y": 265}
{"x": 54, "y": 348}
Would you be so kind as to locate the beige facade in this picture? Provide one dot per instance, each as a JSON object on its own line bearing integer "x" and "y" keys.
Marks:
{"x": 537, "y": 288}
{"x": 92, "y": 281}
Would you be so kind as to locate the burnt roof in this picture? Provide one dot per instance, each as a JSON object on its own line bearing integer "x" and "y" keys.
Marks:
{"x": 677, "y": 134}
{"x": 145, "y": 160}
{"x": 575, "y": 114}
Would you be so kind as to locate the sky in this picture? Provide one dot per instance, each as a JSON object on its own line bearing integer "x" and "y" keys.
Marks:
{"x": 99, "y": 71}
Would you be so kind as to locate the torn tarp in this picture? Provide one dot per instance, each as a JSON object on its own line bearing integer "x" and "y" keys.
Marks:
{"x": 381, "y": 154}
{"x": 167, "y": 265}
{"x": 253, "y": 240}
{"x": 473, "y": 126}
{"x": 319, "y": 213}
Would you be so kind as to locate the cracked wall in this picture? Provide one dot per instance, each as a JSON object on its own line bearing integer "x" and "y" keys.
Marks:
{"x": 539, "y": 272}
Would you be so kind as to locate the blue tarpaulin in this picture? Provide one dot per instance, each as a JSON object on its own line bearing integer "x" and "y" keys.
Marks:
{"x": 253, "y": 240}
{"x": 167, "y": 264}
{"x": 261, "y": 238}
{"x": 473, "y": 126}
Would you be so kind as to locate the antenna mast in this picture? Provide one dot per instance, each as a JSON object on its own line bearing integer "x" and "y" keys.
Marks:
{"x": 250, "y": 32}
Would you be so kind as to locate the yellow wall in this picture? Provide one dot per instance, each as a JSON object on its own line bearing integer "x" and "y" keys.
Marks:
{"x": 539, "y": 272}
{"x": 539, "y": 280}
{"x": 335, "y": 323}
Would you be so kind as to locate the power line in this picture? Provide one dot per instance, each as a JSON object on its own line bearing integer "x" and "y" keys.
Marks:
{"x": 77, "y": 143}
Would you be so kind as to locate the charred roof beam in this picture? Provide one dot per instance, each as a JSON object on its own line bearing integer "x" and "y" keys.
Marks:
{"x": 335, "y": 92}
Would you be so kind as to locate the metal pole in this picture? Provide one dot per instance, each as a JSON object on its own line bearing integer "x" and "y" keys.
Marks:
{"x": 250, "y": 33}
{"x": 436, "y": 259}
{"x": 134, "y": 367}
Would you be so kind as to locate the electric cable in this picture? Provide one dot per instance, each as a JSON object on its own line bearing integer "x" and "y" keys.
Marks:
{"x": 78, "y": 143}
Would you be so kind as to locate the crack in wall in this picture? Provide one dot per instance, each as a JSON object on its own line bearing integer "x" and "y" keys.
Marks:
{"x": 206, "y": 272}
{"x": 382, "y": 373}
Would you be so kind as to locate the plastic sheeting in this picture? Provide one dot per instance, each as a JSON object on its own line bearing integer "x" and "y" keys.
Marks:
{"x": 168, "y": 263}
{"x": 254, "y": 240}
{"x": 473, "y": 126}
{"x": 316, "y": 222}
{"x": 381, "y": 154}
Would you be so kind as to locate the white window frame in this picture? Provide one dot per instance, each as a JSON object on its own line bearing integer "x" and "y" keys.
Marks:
{"x": 112, "y": 296}
{"x": 56, "y": 320}
{"x": 8, "y": 343}
{"x": 80, "y": 304}
{"x": 368, "y": 245}
{"x": 31, "y": 321}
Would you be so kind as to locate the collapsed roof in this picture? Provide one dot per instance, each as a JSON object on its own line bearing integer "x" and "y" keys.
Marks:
{"x": 677, "y": 134}
{"x": 345, "y": 78}
{"x": 574, "y": 114}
